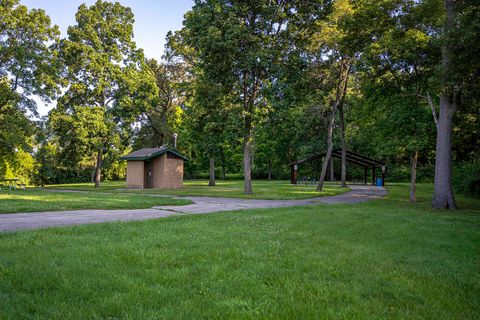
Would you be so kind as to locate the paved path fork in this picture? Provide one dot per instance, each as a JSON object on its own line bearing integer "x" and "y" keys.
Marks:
{"x": 200, "y": 205}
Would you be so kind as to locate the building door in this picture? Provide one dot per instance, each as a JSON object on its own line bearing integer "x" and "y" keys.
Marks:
{"x": 149, "y": 174}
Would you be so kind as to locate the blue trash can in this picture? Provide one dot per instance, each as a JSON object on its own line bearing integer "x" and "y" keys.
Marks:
{"x": 379, "y": 182}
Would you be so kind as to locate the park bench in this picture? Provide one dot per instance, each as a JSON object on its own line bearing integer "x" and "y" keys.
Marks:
{"x": 11, "y": 184}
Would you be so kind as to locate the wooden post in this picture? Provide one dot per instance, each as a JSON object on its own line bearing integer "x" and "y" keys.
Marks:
{"x": 374, "y": 177}
{"x": 365, "y": 175}
{"x": 293, "y": 174}
{"x": 383, "y": 175}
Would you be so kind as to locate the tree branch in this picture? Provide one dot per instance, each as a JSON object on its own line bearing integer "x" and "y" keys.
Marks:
{"x": 430, "y": 104}
{"x": 434, "y": 111}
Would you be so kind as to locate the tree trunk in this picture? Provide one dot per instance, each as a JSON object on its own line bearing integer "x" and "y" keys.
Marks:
{"x": 344, "y": 146}
{"x": 413, "y": 179}
{"x": 222, "y": 159}
{"x": 328, "y": 155}
{"x": 211, "y": 181}
{"x": 92, "y": 176}
{"x": 98, "y": 169}
{"x": 341, "y": 91}
{"x": 247, "y": 169}
{"x": 443, "y": 197}
{"x": 332, "y": 170}
{"x": 269, "y": 169}
{"x": 248, "y": 106}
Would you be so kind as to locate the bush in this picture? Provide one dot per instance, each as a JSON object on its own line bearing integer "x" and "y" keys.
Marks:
{"x": 205, "y": 175}
{"x": 466, "y": 178}
{"x": 44, "y": 175}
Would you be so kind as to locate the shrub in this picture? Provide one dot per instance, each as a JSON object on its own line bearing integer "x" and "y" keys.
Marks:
{"x": 205, "y": 175}
{"x": 466, "y": 178}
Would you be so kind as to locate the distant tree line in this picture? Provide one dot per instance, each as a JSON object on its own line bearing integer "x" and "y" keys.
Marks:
{"x": 249, "y": 86}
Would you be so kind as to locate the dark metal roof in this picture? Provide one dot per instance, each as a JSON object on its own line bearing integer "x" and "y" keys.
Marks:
{"x": 351, "y": 157}
{"x": 149, "y": 153}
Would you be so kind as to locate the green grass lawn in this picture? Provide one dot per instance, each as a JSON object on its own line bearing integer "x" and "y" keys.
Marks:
{"x": 385, "y": 259}
{"x": 34, "y": 200}
{"x": 262, "y": 189}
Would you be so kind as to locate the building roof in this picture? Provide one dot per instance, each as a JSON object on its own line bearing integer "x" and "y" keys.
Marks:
{"x": 350, "y": 157}
{"x": 149, "y": 153}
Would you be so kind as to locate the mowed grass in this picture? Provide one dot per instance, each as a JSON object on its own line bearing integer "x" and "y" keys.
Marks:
{"x": 262, "y": 189}
{"x": 34, "y": 200}
{"x": 385, "y": 259}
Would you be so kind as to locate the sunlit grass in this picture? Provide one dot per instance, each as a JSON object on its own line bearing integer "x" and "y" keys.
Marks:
{"x": 34, "y": 200}
{"x": 262, "y": 189}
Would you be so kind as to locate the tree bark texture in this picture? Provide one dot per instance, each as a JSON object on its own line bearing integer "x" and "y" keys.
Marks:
{"x": 344, "y": 146}
{"x": 328, "y": 154}
{"x": 247, "y": 169}
{"x": 98, "y": 169}
{"x": 211, "y": 181}
{"x": 269, "y": 169}
{"x": 443, "y": 197}
{"x": 332, "y": 170}
{"x": 413, "y": 177}
{"x": 222, "y": 159}
{"x": 249, "y": 97}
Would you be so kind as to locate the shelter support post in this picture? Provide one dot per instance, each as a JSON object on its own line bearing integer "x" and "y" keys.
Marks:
{"x": 293, "y": 173}
{"x": 383, "y": 175}
{"x": 374, "y": 176}
{"x": 365, "y": 175}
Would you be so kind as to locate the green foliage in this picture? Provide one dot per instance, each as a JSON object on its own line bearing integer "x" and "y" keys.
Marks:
{"x": 109, "y": 83}
{"x": 162, "y": 119}
{"x": 19, "y": 164}
{"x": 29, "y": 65}
{"x": 237, "y": 46}
{"x": 205, "y": 175}
{"x": 16, "y": 130}
{"x": 28, "y": 59}
{"x": 238, "y": 73}
{"x": 461, "y": 74}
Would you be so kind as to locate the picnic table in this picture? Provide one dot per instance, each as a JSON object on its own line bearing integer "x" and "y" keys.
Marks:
{"x": 10, "y": 183}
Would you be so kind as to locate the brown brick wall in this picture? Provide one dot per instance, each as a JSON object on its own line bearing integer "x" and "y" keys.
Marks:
{"x": 167, "y": 172}
{"x": 135, "y": 175}
{"x": 173, "y": 174}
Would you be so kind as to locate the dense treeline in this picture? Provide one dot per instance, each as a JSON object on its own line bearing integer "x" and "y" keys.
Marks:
{"x": 249, "y": 86}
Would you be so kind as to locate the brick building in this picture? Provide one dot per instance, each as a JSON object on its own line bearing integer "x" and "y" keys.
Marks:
{"x": 154, "y": 168}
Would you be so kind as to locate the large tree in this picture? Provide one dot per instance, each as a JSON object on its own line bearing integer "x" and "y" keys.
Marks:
{"x": 160, "y": 121}
{"x": 106, "y": 73}
{"x": 460, "y": 73}
{"x": 237, "y": 45}
{"x": 396, "y": 75}
{"x": 29, "y": 66}
{"x": 331, "y": 59}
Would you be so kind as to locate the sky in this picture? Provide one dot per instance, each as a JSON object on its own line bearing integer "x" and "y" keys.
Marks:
{"x": 153, "y": 19}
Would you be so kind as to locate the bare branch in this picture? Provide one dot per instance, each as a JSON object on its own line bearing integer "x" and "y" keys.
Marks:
{"x": 434, "y": 111}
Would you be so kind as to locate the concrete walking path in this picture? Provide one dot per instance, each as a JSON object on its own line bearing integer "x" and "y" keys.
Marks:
{"x": 201, "y": 205}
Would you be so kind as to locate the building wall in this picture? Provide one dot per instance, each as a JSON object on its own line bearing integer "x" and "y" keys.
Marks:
{"x": 135, "y": 174}
{"x": 167, "y": 172}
